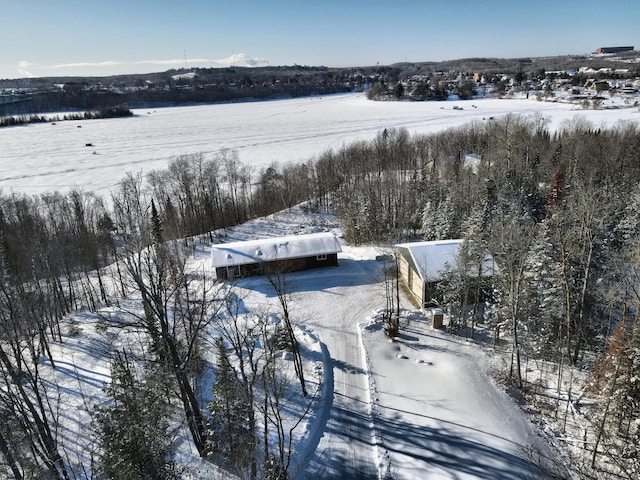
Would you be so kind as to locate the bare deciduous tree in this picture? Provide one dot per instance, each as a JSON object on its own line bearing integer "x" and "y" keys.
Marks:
{"x": 174, "y": 315}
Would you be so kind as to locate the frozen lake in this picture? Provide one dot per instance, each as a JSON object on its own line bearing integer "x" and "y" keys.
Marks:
{"x": 45, "y": 157}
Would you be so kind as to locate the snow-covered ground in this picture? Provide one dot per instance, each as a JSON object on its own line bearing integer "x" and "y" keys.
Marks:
{"x": 437, "y": 413}
{"x": 44, "y": 157}
{"x": 421, "y": 407}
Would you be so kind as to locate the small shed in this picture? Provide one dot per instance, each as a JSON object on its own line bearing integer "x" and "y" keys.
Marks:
{"x": 437, "y": 317}
{"x": 421, "y": 265}
{"x": 276, "y": 254}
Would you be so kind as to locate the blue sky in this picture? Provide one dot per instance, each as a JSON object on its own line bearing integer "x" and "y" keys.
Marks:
{"x": 70, "y": 37}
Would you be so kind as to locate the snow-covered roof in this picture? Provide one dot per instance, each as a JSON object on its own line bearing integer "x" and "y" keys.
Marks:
{"x": 184, "y": 76}
{"x": 274, "y": 248}
{"x": 431, "y": 258}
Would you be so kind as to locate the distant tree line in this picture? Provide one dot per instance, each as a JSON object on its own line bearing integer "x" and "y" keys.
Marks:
{"x": 106, "y": 112}
{"x": 558, "y": 212}
{"x": 434, "y": 88}
{"x": 80, "y": 99}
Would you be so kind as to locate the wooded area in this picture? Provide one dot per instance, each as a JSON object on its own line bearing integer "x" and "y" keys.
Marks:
{"x": 560, "y": 213}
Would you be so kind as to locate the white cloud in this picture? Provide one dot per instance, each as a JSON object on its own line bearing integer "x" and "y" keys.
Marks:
{"x": 237, "y": 60}
{"x": 24, "y": 70}
{"x": 111, "y": 67}
{"x": 177, "y": 62}
{"x": 242, "y": 60}
{"x": 107, "y": 63}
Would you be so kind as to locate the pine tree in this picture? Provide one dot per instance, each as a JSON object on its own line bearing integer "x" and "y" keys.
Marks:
{"x": 451, "y": 292}
{"x": 545, "y": 297}
{"x": 156, "y": 224}
{"x": 133, "y": 429}
{"x": 231, "y": 441}
{"x": 438, "y": 220}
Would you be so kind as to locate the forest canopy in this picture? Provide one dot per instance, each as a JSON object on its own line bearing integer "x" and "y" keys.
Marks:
{"x": 560, "y": 213}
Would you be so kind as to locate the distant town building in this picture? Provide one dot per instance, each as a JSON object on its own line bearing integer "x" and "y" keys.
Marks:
{"x": 602, "y": 50}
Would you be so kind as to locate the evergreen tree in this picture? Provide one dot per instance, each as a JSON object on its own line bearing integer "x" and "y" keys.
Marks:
{"x": 274, "y": 469}
{"x": 451, "y": 291}
{"x": 156, "y": 224}
{"x": 438, "y": 220}
{"x": 398, "y": 90}
{"x": 465, "y": 90}
{"x": 231, "y": 441}
{"x": 545, "y": 296}
{"x": 133, "y": 428}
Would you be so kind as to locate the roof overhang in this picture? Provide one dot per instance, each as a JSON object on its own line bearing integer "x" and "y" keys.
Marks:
{"x": 274, "y": 249}
{"x": 431, "y": 259}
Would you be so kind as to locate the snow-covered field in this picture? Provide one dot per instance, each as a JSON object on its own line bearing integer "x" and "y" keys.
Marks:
{"x": 418, "y": 408}
{"x": 44, "y": 157}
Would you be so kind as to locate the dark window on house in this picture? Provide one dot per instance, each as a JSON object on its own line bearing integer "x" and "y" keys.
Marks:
{"x": 321, "y": 257}
{"x": 233, "y": 272}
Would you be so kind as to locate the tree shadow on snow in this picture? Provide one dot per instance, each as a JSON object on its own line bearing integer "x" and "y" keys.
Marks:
{"x": 348, "y": 273}
{"x": 346, "y": 367}
{"x": 339, "y": 462}
{"x": 453, "y": 448}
